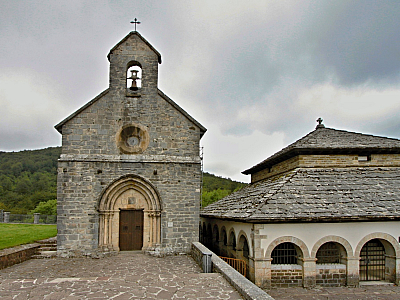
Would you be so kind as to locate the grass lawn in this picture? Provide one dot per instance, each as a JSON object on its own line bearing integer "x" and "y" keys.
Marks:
{"x": 17, "y": 234}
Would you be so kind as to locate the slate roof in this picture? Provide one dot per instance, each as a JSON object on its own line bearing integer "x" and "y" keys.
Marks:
{"x": 315, "y": 195}
{"x": 59, "y": 126}
{"x": 331, "y": 141}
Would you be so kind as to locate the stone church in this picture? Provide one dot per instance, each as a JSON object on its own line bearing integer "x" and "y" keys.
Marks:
{"x": 324, "y": 211}
{"x": 129, "y": 176}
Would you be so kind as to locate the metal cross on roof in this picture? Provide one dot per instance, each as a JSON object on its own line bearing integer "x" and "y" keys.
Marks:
{"x": 319, "y": 121}
{"x": 135, "y": 22}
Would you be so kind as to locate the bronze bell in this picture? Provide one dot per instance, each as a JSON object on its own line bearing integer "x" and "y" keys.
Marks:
{"x": 134, "y": 77}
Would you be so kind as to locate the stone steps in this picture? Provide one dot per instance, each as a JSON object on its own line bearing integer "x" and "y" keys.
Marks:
{"x": 47, "y": 249}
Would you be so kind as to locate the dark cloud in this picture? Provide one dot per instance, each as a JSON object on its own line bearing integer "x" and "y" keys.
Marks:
{"x": 265, "y": 67}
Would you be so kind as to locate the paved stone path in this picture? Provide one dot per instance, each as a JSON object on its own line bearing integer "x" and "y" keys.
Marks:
{"x": 342, "y": 293}
{"x": 129, "y": 275}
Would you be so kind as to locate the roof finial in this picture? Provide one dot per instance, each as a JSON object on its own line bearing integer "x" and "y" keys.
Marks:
{"x": 320, "y": 125}
{"x": 135, "y": 22}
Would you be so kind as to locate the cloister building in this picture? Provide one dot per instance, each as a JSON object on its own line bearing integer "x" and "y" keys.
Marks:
{"x": 324, "y": 211}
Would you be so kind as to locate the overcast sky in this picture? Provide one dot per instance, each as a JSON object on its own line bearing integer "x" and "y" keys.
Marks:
{"x": 256, "y": 74}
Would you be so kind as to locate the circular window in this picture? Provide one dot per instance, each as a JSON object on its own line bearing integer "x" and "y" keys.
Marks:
{"x": 132, "y": 139}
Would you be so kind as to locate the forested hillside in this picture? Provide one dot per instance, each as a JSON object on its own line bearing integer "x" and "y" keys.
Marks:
{"x": 216, "y": 187}
{"x": 30, "y": 177}
{"x": 27, "y": 178}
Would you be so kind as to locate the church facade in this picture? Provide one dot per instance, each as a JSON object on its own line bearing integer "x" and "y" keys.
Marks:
{"x": 323, "y": 211}
{"x": 129, "y": 174}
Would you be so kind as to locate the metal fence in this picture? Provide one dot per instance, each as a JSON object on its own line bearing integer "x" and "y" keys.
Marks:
{"x": 6, "y": 217}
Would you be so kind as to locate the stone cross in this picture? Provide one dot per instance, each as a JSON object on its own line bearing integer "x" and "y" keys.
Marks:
{"x": 135, "y": 22}
{"x": 319, "y": 121}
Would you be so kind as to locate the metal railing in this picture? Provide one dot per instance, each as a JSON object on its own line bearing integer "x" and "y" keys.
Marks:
{"x": 238, "y": 264}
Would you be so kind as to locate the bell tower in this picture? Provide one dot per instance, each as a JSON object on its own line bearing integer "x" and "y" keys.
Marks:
{"x": 134, "y": 66}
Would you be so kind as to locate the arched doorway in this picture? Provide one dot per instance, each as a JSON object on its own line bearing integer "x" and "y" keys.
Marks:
{"x": 372, "y": 261}
{"x": 130, "y": 215}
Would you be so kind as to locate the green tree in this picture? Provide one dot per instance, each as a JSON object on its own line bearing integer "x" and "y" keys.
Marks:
{"x": 46, "y": 208}
{"x": 212, "y": 196}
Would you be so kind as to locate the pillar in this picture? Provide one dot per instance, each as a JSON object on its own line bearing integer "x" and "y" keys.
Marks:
{"x": 353, "y": 269}
{"x": 6, "y": 217}
{"x": 36, "y": 217}
{"x": 309, "y": 272}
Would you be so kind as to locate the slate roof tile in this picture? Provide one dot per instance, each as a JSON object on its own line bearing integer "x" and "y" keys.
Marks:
{"x": 316, "y": 194}
{"x": 329, "y": 140}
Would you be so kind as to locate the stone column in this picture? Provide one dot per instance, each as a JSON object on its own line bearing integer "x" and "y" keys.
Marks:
{"x": 309, "y": 272}
{"x": 397, "y": 279}
{"x": 353, "y": 269}
{"x": 6, "y": 217}
{"x": 262, "y": 272}
{"x": 36, "y": 217}
{"x": 261, "y": 265}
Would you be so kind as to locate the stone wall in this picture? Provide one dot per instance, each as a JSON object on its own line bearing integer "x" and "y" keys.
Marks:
{"x": 327, "y": 161}
{"x": 16, "y": 255}
{"x": 244, "y": 286}
{"x": 283, "y": 276}
{"x": 331, "y": 275}
{"x": 78, "y": 218}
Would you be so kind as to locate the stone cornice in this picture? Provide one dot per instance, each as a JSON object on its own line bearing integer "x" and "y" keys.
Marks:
{"x": 139, "y": 158}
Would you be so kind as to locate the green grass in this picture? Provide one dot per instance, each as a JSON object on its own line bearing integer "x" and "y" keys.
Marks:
{"x": 18, "y": 234}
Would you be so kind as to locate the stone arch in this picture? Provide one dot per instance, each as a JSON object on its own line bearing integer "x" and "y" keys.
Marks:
{"x": 242, "y": 233}
{"x": 391, "y": 271}
{"x": 134, "y": 75}
{"x": 243, "y": 243}
{"x": 129, "y": 192}
{"x": 231, "y": 236}
{"x": 332, "y": 238}
{"x": 208, "y": 240}
{"x": 204, "y": 236}
{"x": 224, "y": 241}
{"x": 215, "y": 239}
{"x": 381, "y": 236}
{"x": 290, "y": 239}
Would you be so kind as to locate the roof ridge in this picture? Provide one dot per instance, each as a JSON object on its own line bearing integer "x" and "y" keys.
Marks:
{"x": 290, "y": 174}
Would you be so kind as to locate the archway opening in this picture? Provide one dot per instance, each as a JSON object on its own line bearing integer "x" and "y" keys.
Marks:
{"x": 286, "y": 265}
{"x": 372, "y": 261}
{"x": 215, "y": 240}
{"x": 331, "y": 265}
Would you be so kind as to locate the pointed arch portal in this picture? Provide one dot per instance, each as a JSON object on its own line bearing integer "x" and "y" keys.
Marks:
{"x": 129, "y": 193}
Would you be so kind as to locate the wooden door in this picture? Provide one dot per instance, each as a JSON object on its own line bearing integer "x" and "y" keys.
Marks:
{"x": 130, "y": 230}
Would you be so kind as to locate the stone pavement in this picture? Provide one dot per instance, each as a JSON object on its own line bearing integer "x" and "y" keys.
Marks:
{"x": 128, "y": 275}
{"x": 341, "y": 293}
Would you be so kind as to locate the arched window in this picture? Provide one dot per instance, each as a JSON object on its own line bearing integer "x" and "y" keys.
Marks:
{"x": 328, "y": 253}
{"x": 284, "y": 253}
{"x": 232, "y": 240}
{"x": 134, "y": 76}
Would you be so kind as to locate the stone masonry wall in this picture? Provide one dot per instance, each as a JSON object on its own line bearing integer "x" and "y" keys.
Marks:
{"x": 78, "y": 220}
{"x": 18, "y": 254}
{"x": 327, "y": 161}
{"x": 283, "y": 276}
{"x": 333, "y": 275}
